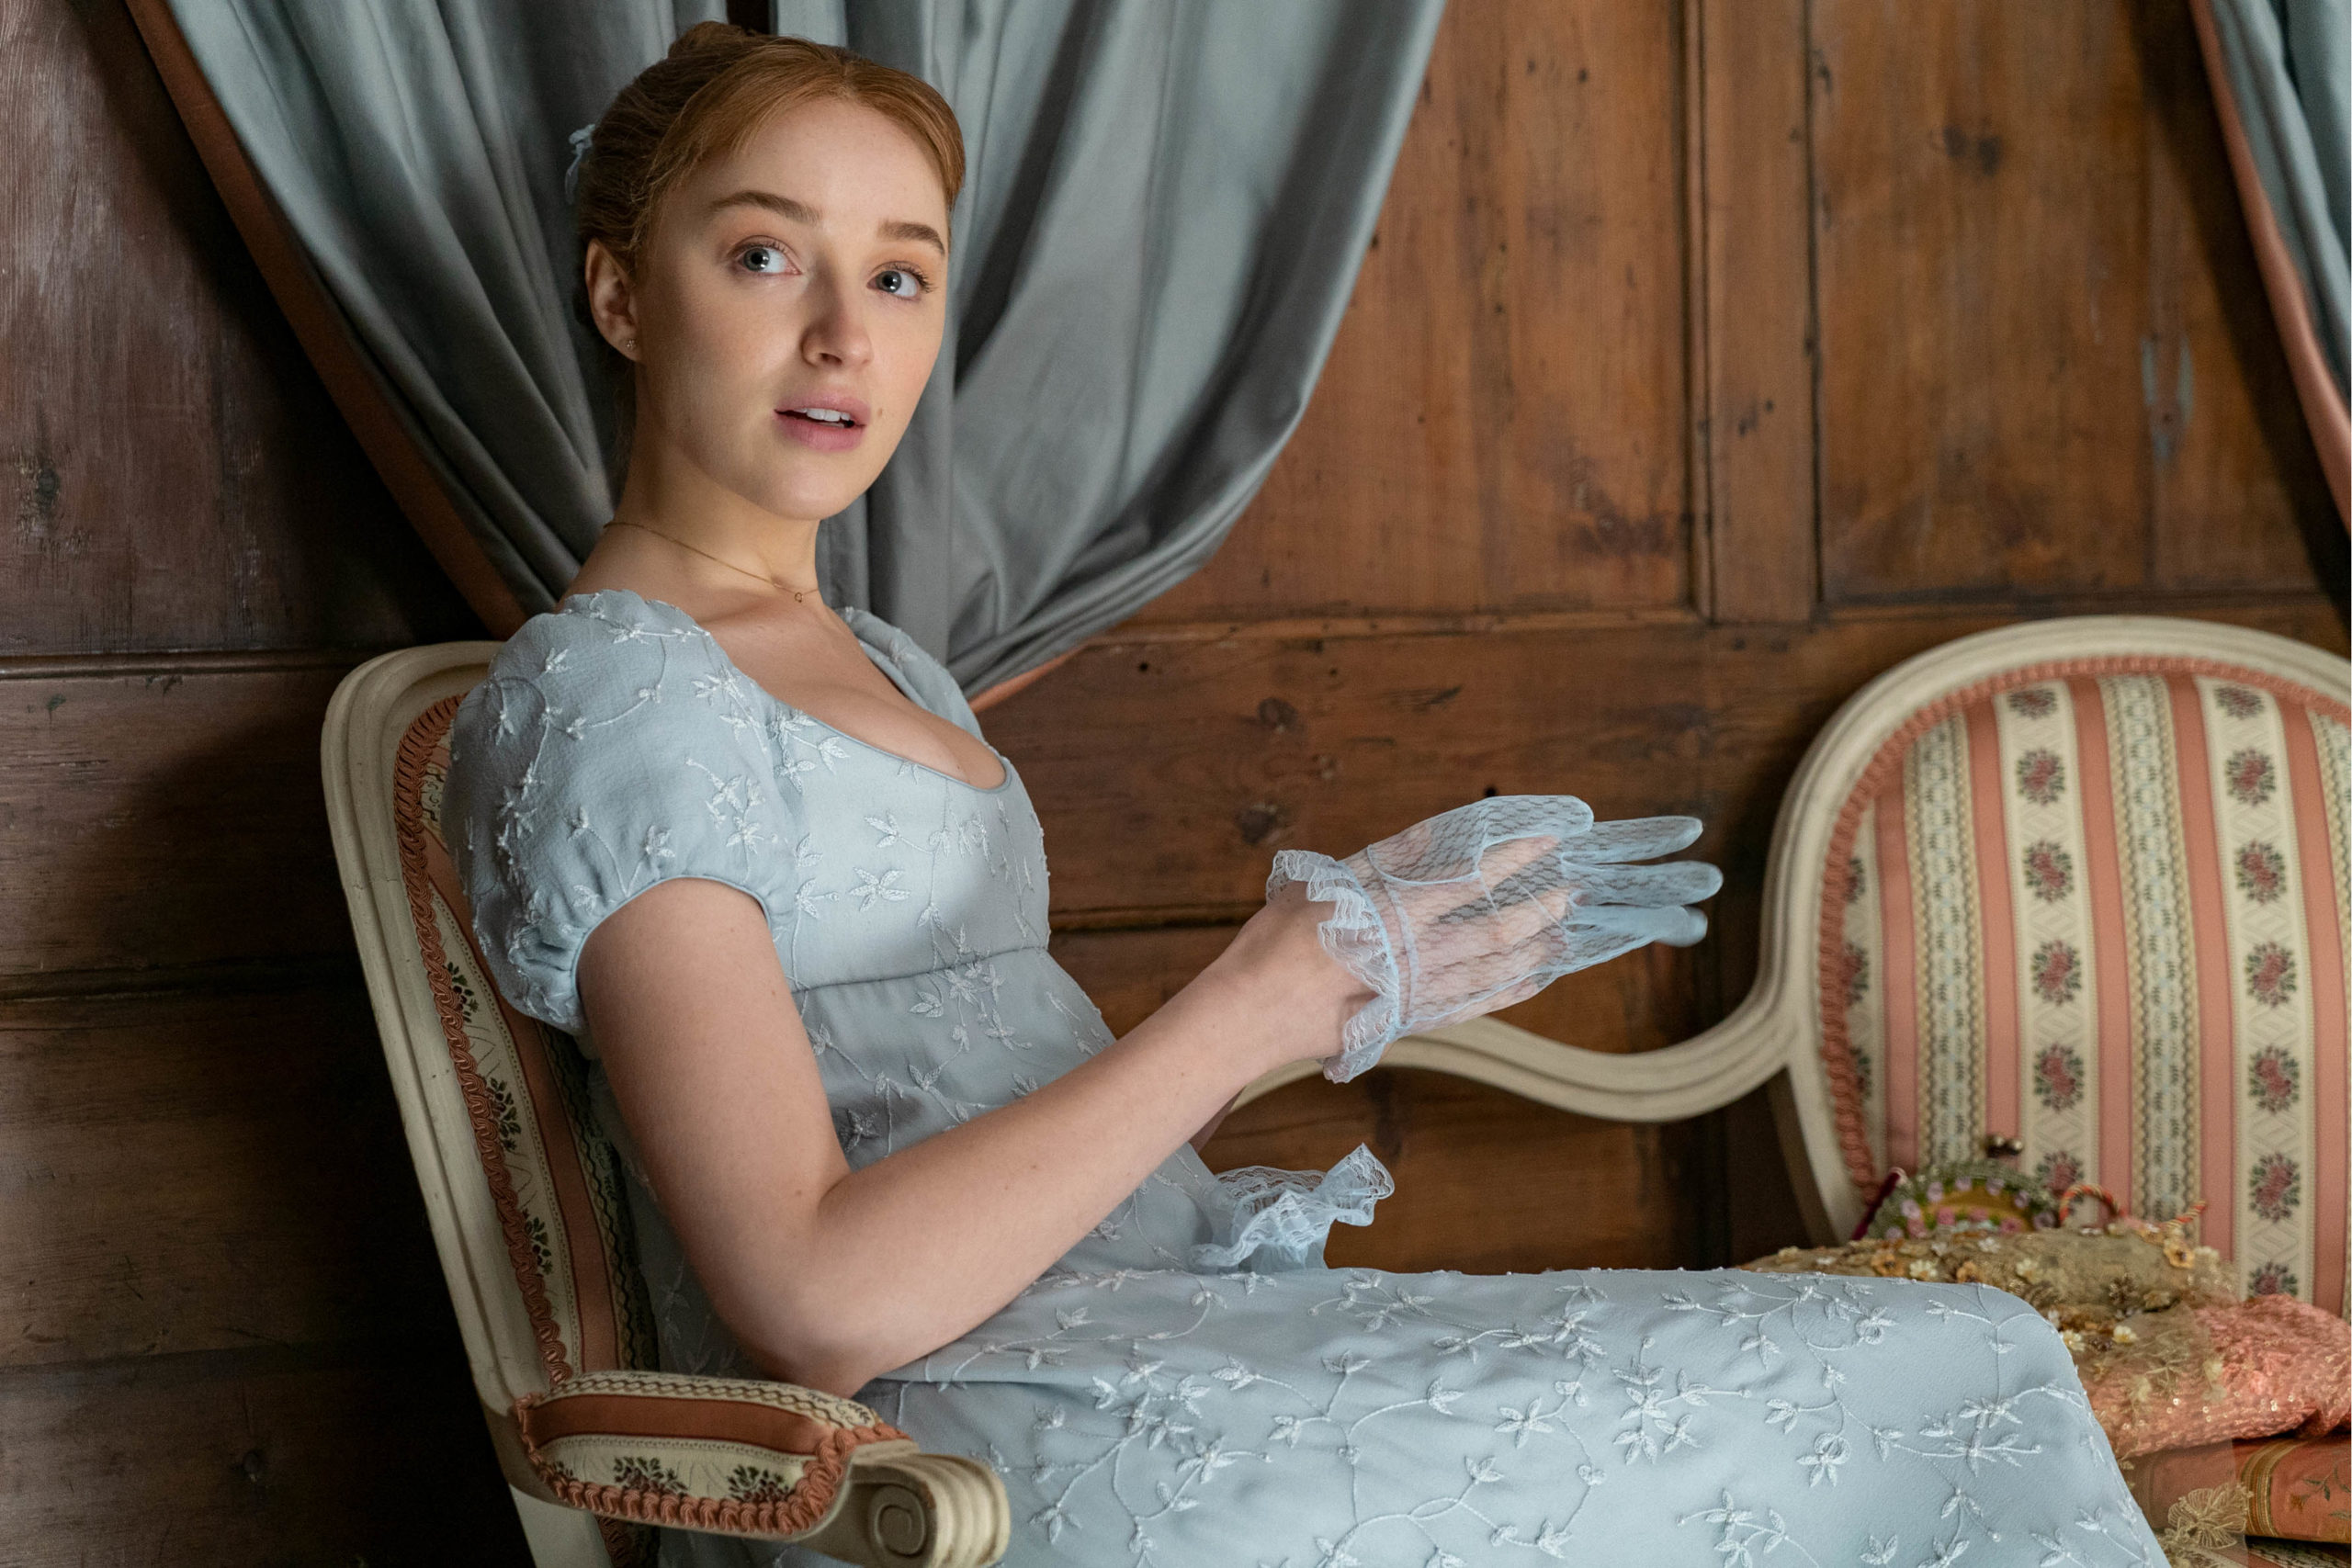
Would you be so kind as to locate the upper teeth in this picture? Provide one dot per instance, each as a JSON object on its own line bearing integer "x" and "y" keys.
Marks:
{"x": 831, "y": 416}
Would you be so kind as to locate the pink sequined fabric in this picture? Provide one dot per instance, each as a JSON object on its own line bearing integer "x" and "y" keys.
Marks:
{"x": 2284, "y": 1366}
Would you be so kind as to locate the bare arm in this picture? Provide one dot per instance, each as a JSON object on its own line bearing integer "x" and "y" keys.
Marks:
{"x": 1200, "y": 1140}
{"x": 828, "y": 1277}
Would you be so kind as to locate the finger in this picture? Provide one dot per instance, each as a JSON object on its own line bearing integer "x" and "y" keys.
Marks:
{"x": 1506, "y": 858}
{"x": 1649, "y": 887}
{"x": 1637, "y": 838}
{"x": 1674, "y": 927}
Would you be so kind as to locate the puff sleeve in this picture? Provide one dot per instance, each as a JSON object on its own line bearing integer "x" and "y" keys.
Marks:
{"x": 612, "y": 748}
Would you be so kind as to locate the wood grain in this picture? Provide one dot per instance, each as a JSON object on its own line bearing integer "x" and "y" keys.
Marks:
{"x": 2041, "y": 368}
{"x": 2236, "y": 460}
{"x": 1758, "y": 282}
{"x": 253, "y": 1458}
{"x": 1983, "y": 279}
{"x": 193, "y": 1172}
{"x": 174, "y": 476}
{"x": 164, "y": 813}
{"x": 1166, "y": 773}
{"x": 1503, "y": 420}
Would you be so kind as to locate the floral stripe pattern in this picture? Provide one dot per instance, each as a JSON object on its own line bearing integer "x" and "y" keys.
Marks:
{"x": 1860, "y": 991}
{"x": 2057, "y": 987}
{"x": 2157, "y": 936}
{"x": 2270, "y": 1008}
{"x": 528, "y": 1163}
{"x": 534, "y": 1081}
{"x": 2266, "y": 841}
{"x": 2335, "y": 763}
{"x": 2332, "y": 741}
{"x": 1949, "y": 958}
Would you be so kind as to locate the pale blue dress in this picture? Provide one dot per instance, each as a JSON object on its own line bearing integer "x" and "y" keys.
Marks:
{"x": 1189, "y": 1387}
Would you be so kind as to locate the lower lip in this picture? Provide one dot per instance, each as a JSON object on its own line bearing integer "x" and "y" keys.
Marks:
{"x": 821, "y": 437}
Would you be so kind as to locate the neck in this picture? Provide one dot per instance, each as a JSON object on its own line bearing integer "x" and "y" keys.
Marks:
{"x": 672, "y": 495}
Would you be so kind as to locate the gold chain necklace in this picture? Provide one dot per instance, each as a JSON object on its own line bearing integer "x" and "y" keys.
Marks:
{"x": 797, "y": 593}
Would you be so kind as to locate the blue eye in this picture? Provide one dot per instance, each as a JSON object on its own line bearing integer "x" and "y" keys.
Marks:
{"x": 766, "y": 260}
{"x": 903, "y": 281}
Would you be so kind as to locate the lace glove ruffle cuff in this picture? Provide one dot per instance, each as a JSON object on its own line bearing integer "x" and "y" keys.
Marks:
{"x": 1486, "y": 905}
{"x": 1279, "y": 1218}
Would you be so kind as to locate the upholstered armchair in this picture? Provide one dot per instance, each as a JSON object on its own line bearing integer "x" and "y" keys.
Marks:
{"x": 524, "y": 1197}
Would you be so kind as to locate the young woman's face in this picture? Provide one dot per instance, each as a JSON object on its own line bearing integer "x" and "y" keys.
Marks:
{"x": 788, "y": 307}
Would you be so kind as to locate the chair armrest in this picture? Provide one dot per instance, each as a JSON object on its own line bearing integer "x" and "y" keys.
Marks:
{"x": 767, "y": 1460}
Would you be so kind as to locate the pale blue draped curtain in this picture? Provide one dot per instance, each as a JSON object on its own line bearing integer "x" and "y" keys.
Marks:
{"x": 2290, "y": 70}
{"x": 1166, "y": 204}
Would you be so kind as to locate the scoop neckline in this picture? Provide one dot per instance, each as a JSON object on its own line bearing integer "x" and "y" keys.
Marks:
{"x": 1003, "y": 761}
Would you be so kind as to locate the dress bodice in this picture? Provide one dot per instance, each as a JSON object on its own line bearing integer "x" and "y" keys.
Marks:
{"x": 631, "y": 749}
{"x": 614, "y": 746}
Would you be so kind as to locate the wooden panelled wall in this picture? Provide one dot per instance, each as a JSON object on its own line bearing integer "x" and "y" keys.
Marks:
{"x": 1712, "y": 357}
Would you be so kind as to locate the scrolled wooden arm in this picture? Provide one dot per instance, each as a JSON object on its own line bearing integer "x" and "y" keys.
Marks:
{"x": 766, "y": 1460}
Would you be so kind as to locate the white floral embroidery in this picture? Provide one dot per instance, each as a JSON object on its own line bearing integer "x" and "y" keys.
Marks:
{"x": 1441, "y": 1420}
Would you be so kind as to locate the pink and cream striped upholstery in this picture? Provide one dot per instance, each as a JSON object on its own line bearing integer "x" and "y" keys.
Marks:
{"x": 2100, "y": 906}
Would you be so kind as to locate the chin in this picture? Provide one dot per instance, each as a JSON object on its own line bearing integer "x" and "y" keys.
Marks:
{"x": 811, "y": 501}
{"x": 801, "y": 489}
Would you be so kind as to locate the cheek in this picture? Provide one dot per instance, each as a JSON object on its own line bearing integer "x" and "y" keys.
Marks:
{"x": 715, "y": 353}
{"x": 913, "y": 350}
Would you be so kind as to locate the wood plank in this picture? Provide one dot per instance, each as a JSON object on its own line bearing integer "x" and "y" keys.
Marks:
{"x": 1984, "y": 279}
{"x": 1503, "y": 420}
{"x": 175, "y": 476}
{"x": 1166, "y": 773}
{"x": 1758, "y": 304}
{"x": 192, "y": 1172}
{"x": 164, "y": 813}
{"x": 263, "y": 1458}
{"x": 2235, "y": 469}
{"x": 1485, "y": 1183}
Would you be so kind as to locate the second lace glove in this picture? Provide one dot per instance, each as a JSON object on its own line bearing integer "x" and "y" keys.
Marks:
{"x": 1477, "y": 907}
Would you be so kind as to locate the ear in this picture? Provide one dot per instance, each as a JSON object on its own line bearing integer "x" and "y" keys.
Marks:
{"x": 611, "y": 301}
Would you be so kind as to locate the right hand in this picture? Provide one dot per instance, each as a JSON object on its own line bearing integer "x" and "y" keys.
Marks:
{"x": 1302, "y": 996}
{"x": 1484, "y": 906}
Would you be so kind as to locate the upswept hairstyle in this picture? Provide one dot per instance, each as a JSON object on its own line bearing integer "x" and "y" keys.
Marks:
{"x": 718, "y": 84}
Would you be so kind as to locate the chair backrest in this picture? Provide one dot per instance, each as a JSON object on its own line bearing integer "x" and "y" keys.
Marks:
{"x": 555, "y": 1176}
{"x": 2083, "y": 884}
{"x": 523, "y": 1192}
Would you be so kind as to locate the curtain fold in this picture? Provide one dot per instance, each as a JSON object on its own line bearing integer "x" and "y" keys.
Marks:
{"x": 2281, "y": 71}
{"x": 1166, "y": 204}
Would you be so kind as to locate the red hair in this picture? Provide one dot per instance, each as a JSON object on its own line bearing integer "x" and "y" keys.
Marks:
{"x": 718, "y": 84}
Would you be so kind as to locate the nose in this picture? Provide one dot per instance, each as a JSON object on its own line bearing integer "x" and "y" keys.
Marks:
{"x": 836, "y": 337}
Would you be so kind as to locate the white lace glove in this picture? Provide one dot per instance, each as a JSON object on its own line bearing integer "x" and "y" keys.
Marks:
{"x": 1486, "y": 905}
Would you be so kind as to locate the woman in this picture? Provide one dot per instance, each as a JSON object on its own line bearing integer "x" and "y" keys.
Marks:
{"x": 755, "y": 854}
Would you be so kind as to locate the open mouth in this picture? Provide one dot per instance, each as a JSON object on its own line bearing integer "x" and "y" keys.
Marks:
{"x": 830, "y": 419}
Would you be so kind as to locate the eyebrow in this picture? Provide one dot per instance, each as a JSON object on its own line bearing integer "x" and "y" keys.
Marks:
{"x": 801, "y": 212}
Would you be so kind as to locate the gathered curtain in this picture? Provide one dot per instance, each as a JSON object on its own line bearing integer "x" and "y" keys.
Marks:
{"x": 2281, "y": 70}
{"x": 1166, "y": 205}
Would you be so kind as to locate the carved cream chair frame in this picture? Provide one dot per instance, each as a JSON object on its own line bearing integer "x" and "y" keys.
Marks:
{"x": 1773, "y": 1038}
{"x": 895, "y": 1507}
